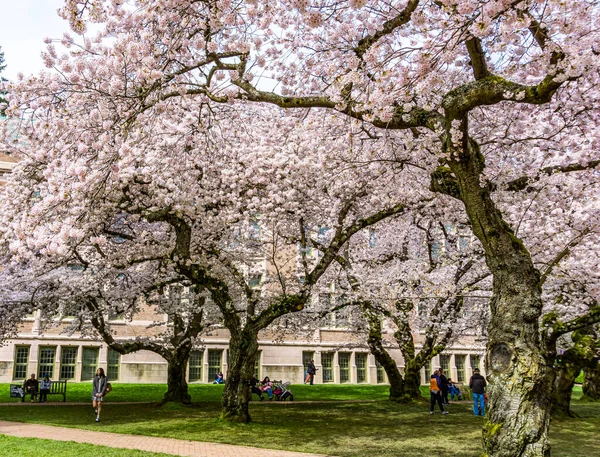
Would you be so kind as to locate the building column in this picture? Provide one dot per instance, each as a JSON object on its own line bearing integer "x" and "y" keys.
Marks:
{"x": 318, "y": 365}
{"x": 352, "y": 368}
{"x": 453, "y": 371}
{"x": 336, "y": 368}
{"x": 205, "y": 366}
{"x": 468, "y": 367}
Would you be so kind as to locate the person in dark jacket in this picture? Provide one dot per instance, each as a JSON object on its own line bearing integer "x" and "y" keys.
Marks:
{"x": 444, "y": 387}
{"x": 31, "y": 387}
{"x": 99, "y": 384}
{"x": 435, "y": 392}
{"x": 254, "y": 389}
{"x": 477, "y": 385}
{"x": 311, "y": 371}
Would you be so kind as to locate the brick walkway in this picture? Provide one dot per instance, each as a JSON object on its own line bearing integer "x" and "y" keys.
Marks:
{"x": 143, "y": 443}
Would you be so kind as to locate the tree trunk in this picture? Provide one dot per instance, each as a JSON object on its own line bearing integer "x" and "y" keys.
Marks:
{"x": 383, "y": 357}
{"x": 177, "y": 386}
{"x": 591, "y": 383}
{"x": 243, "y": 347}
{"x": 519, "y": 372}
{"x": 563, "y": 388}
{"x": 412, "y": 383}
{"x": 520, "y": 376}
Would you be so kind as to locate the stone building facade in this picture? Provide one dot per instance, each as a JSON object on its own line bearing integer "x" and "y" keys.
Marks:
{"x": 340, "y": 356}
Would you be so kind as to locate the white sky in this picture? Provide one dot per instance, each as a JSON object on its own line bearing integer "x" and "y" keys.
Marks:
{"x": 23, "y": 27}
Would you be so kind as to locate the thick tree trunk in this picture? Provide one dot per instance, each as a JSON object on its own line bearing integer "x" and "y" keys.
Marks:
{"x": 243, "y": 347}
{"x": 563, "y": 388}
{"x": 177, "y": 386}
{"x": 521, "y": 379}
{"x": 412, "y": 383}
{"x": 402, "y": 389}
{"x": 375, "y": 342}
{"x": 519, "y": 372}
{"x": 591, "y": 383}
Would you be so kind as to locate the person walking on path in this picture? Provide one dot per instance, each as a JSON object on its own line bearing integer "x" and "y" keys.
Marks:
{"x": 435, "y": 392}
{"x": 477, "y": 385}
{"x": 45, "y": 388}
{"x": 99, "y": 384}
{"x": 444, "y": 387}
{"x": 31, "y": 387}
{"x": 311, "y": 370}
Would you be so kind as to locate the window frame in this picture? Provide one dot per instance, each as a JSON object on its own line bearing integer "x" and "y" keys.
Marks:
{"x": 17, "y": 364}
{"x": 85, "y": 367}
{"x": 41, "y": 372}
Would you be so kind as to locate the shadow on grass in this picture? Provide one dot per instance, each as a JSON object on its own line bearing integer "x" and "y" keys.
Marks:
{"x": 379, "y": 428}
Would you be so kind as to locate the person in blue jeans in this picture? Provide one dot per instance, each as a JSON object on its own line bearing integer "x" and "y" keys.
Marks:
{"x": 478, "y": 385}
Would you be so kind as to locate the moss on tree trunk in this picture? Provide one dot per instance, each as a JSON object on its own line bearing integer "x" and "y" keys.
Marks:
{"x": 177, "y": 386}
{"x": 591, "y": 382}
{"x": 563, "y": 388}
{"x": 243, "y": 348}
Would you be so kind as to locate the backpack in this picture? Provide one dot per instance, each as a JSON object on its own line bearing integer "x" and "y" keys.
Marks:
{"x": 108, "y": 388}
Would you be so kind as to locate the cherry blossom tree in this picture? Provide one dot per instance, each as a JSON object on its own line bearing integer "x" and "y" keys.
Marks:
{"x": 82, "y": 298}
{"x": 3, "y": 102}
{"x": 414, "y": 275}
{"x": 209, "y": 200}
{"x": 503, "y": 94}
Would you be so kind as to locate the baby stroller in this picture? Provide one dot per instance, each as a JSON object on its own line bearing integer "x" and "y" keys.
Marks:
{"x": 281, "y": 391}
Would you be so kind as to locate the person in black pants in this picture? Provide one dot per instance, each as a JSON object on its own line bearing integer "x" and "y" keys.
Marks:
{"x": 254, "y": 388}
{"x": 444, "y": 387}
{"x": 31, "y": 387}
{"x": 435, "y": 392}
{"x": 311, "y": 370}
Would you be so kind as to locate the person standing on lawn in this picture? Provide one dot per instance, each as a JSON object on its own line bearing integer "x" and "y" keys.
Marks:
{"x": 99, "y": 384}
{"x": 477, "y": 385}
{"x": 435, "y": 392}
{"x": 444, "y": 386}
{"x": 311, "y": 370}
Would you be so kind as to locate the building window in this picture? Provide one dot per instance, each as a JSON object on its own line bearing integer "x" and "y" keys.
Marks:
{"x": 255, "y": 280}
{"x": 372, "y": 238}
{"x": 307, "y": 356}
{"x": 46, "y": 362}
{"x": 361, "y": 367}
{"x": 327, "y": 362}
{"x": 195, "y": 366}
{"x": 344, "y": 361}
{"x": 113, "y": 370}
{"x": 68, "y": 360}
{"x": 459, "y": 360}
{"x": 475, "y": 361}
{"x": 380, "y": 373}
{"x": 89, "y": 363}
{"x": 445, "y": 363}
{"x": 214, "y": 363}
{"x": 21, "y": 360}
{"x": 257, "y": 365}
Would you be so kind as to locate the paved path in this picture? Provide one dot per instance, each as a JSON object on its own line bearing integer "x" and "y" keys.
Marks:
{"x": 143, "y": 443}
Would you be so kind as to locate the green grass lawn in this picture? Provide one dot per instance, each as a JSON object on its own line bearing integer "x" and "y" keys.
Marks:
{"x": 377, "y": 428}
{"x": 31, "y": 447}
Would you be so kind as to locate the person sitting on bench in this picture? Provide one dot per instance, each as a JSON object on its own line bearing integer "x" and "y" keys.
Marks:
{"x": 45, "y": 388}
{"x": 31, "y": 387}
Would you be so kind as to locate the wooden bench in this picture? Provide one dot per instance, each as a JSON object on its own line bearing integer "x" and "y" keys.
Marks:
{"x": 56, "y": 388}
{"x": 465, "y": 391}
